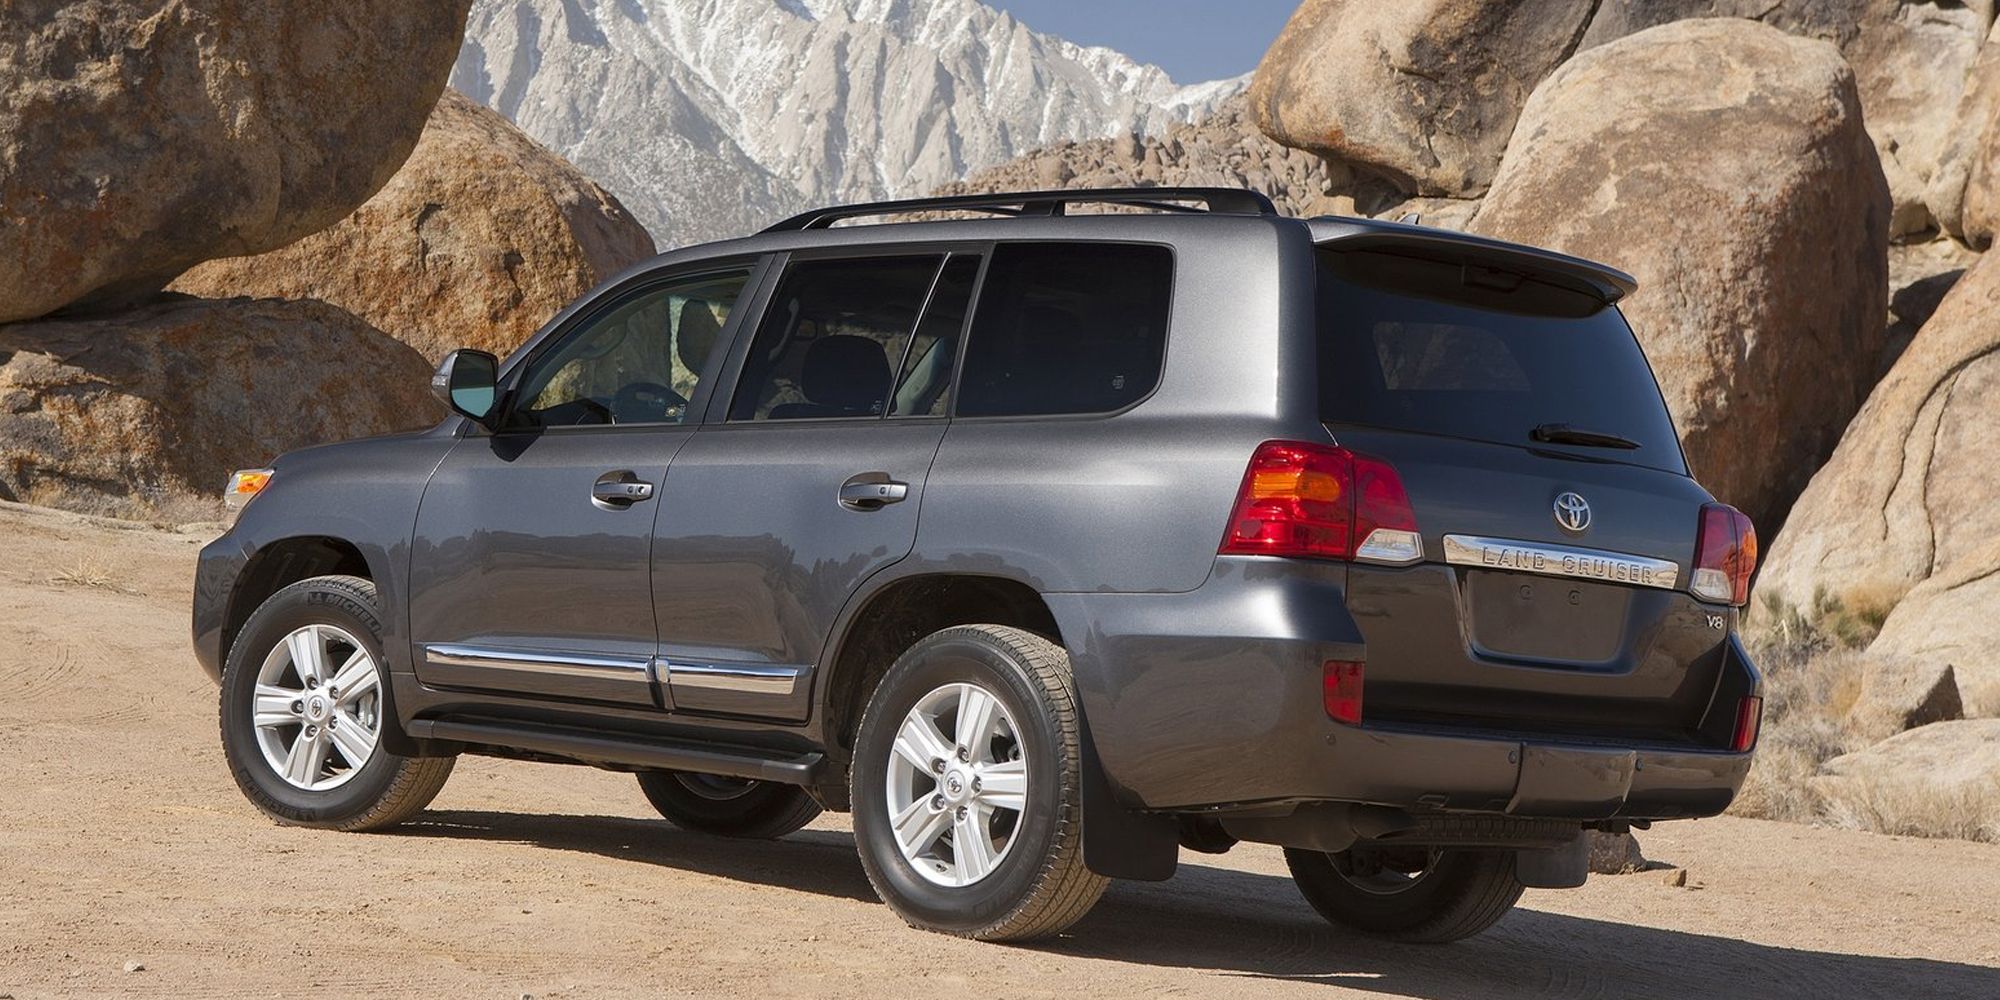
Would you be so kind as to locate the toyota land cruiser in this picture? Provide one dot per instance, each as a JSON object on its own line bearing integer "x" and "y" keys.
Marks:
{"x": 1047, "y": 544}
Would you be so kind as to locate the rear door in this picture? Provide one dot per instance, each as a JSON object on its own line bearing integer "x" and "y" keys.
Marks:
{"x": 531, "y": 570}
{"x": 1547, "y": 481}
{"x": 809, "y": 478}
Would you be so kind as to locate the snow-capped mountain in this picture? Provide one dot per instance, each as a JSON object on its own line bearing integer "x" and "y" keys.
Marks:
{"x": 710, "y": 118}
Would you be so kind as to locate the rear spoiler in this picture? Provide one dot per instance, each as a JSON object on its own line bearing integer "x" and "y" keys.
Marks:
{"x": 1604, "y": 283}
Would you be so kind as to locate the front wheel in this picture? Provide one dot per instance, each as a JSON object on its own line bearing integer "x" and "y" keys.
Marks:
{"x": 728, "y": 807}
{"x": 1408, "y": 894}
{"x": 967, "y": 787}
{"x": 303, "y": 709}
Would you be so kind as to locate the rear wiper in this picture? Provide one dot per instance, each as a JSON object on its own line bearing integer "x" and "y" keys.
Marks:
{"x": 1567, "y": 434}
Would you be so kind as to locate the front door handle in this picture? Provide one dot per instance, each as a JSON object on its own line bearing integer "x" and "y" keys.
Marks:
{"x": 619, "y": 489}
{"x": 872, "y": 491}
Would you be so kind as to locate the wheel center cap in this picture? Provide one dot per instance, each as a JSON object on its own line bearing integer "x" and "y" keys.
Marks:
{"x": 956, "y": 787}
{"x": 316, "y": 708}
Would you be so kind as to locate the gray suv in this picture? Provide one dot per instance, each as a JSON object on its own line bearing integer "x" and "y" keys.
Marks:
{"x": 1048, "y": 545}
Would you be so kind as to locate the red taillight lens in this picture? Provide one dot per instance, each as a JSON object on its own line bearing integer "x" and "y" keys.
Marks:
{"x": 1343, "y": 691}
{"x": 1749, "y": 719}
{"x": 1321, "y": 501}
{"x": 1725, "y": 555}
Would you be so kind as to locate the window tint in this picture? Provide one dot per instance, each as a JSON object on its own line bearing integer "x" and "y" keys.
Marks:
{"x": 832, "y": 338}
{"x": 638, "y": 362}
{"x": 1438, "y": 348}
{"x": 1067, "y": 328}
{"x": 921, "y": 390}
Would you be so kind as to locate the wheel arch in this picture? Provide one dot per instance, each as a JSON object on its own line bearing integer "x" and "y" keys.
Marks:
{"x": 278, "y": 564}
{"x": 1118, "y": 843}
{"x": 897, "y": 613}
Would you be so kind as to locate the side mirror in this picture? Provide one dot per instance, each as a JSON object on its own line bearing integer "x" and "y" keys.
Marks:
{"x": 465, "y": 382}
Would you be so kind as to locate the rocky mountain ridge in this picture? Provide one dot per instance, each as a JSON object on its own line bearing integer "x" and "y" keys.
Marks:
{"x": 711, "y": 118}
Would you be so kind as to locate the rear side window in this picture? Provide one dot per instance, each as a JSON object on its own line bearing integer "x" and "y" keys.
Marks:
{"x": 1067, "y": 328}
{"x": 833, "y": 338}
{"x": 1442, "y": 348}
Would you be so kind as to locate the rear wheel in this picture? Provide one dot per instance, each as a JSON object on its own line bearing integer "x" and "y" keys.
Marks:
{"x": 303, "y": 709}
{"x": 967, "y": 787}
{"x": 1408, "y": 894}
{"x": 728, "y": 807}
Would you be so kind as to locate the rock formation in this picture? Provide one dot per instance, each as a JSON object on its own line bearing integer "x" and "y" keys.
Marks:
{"x": 476, "y": 242}
{"x": 140, "y": 139}
{"x": 118, "y": 414}
{"x": 1725, "y": 165}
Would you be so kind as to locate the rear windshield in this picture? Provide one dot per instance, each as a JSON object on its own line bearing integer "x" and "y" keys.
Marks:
{"x": 1440, "y": 347}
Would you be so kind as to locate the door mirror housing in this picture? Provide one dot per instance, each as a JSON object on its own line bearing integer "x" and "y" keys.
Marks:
{"x": 466, "y": 382}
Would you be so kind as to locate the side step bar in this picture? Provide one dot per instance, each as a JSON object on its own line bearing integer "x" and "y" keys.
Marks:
{"x": 598, "y": 748}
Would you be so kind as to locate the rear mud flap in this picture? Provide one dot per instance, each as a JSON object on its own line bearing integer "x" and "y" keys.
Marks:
{"x": 1120, "y": 842}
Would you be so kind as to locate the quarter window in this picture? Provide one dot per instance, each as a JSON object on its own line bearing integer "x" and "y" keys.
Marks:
{"x": 1067, "y": 328}
{"x": 638, "y": 362}
{"x": 833, "y": 338}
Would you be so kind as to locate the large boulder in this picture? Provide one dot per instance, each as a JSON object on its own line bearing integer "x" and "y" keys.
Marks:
{"x": 1953, "y": 620}
{"x": 1938, "y": 780}
{"x": 476, "y": 242}
{"x": 1912, "y": 490}
{"x": 122, "y": 415}
{"x": 1911, "y": 60}
{"x": 141, "y": 137}
{"x": 1965, "y": 189}
{"x": 1725, "y": 165}
{"x": 1904, "y": 692}
{"x": 1423, "y": 92}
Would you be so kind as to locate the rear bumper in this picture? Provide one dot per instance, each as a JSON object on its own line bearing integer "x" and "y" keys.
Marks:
{"x": 1425, "y": 771}
{"x": 1212, "y": 700}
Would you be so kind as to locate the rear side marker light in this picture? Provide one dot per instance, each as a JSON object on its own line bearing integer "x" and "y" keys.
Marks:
{"x": 1749, "y": 719}
{"x": 1725, "y": 556}
{"x": 1343, "y": 691}
{"x": 1320, "y": 501}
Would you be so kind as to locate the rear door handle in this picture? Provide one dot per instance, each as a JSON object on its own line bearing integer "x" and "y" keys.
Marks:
{"x": 619, "y": 489}
{"x": 872, "y": 491}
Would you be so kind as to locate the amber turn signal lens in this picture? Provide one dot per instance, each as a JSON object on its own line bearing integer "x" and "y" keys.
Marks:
{"x": 244, "y": 484}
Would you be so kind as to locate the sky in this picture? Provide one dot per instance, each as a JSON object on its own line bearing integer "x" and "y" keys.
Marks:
{"x": 1193, "y": 40}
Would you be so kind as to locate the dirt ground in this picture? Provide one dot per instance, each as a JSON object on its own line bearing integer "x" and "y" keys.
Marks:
{"x": 129, "y": 865}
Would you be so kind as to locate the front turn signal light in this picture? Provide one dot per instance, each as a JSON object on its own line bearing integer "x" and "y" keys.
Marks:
{"x": 244, "y": 484}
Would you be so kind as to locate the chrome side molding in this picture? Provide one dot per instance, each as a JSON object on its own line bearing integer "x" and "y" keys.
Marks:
{"x": 1548, "y": 559}
{"x": 540, "y": 672}
{"x": 774, "y": 680}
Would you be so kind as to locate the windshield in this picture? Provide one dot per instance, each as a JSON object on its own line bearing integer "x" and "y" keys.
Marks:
{"x": 1447, "y": 348}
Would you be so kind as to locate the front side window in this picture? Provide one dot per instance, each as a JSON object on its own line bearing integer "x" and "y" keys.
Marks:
{"x": 1067, "y": 328}
{"x": 833, "y": 338}
{"x": 637, "y": 362}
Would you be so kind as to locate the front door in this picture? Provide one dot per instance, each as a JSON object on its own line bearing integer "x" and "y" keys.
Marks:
{"x": 530, "y": 570}
{"x": 808, "y": 480}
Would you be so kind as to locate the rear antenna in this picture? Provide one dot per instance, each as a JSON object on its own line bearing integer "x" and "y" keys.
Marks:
{"x": 1411, "y": 219}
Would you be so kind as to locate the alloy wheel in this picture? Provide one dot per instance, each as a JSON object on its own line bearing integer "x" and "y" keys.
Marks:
{"x": 317, "y": 709}
{"x": 957, "y": 785}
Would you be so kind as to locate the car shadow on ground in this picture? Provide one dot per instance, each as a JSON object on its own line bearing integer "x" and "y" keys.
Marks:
{"x": 1239, "y": 923}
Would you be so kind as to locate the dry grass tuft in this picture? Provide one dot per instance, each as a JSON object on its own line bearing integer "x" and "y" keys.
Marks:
{"x": 87, "y": 572}
{"x": 1917, "y": 808}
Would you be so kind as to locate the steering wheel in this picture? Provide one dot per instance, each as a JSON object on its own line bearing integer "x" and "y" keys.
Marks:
{"x": 646, "y": 401}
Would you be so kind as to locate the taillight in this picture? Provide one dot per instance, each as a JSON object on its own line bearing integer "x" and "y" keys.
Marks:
{"x": 1749, "y": 719}
{"x": 1725, "y": 554}
{"x": 1343, "y": 691}
{"x": 1322, "y": 501}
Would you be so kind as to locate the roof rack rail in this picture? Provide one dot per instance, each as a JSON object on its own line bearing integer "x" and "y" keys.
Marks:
{"x": 1023, "y": 204}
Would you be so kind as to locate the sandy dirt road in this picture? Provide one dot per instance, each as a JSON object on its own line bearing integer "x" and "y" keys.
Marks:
{"x": 122, "y": 840}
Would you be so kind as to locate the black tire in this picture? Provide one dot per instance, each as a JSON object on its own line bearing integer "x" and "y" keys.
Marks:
{"x": 1040, "y": 885}
{"x": 728, "y": 807}
{"x": 384, "y": 791}
{"x": 1457, "y": 895}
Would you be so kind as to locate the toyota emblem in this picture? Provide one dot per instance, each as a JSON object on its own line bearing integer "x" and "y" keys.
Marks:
{"x": 1572, "y": 513}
